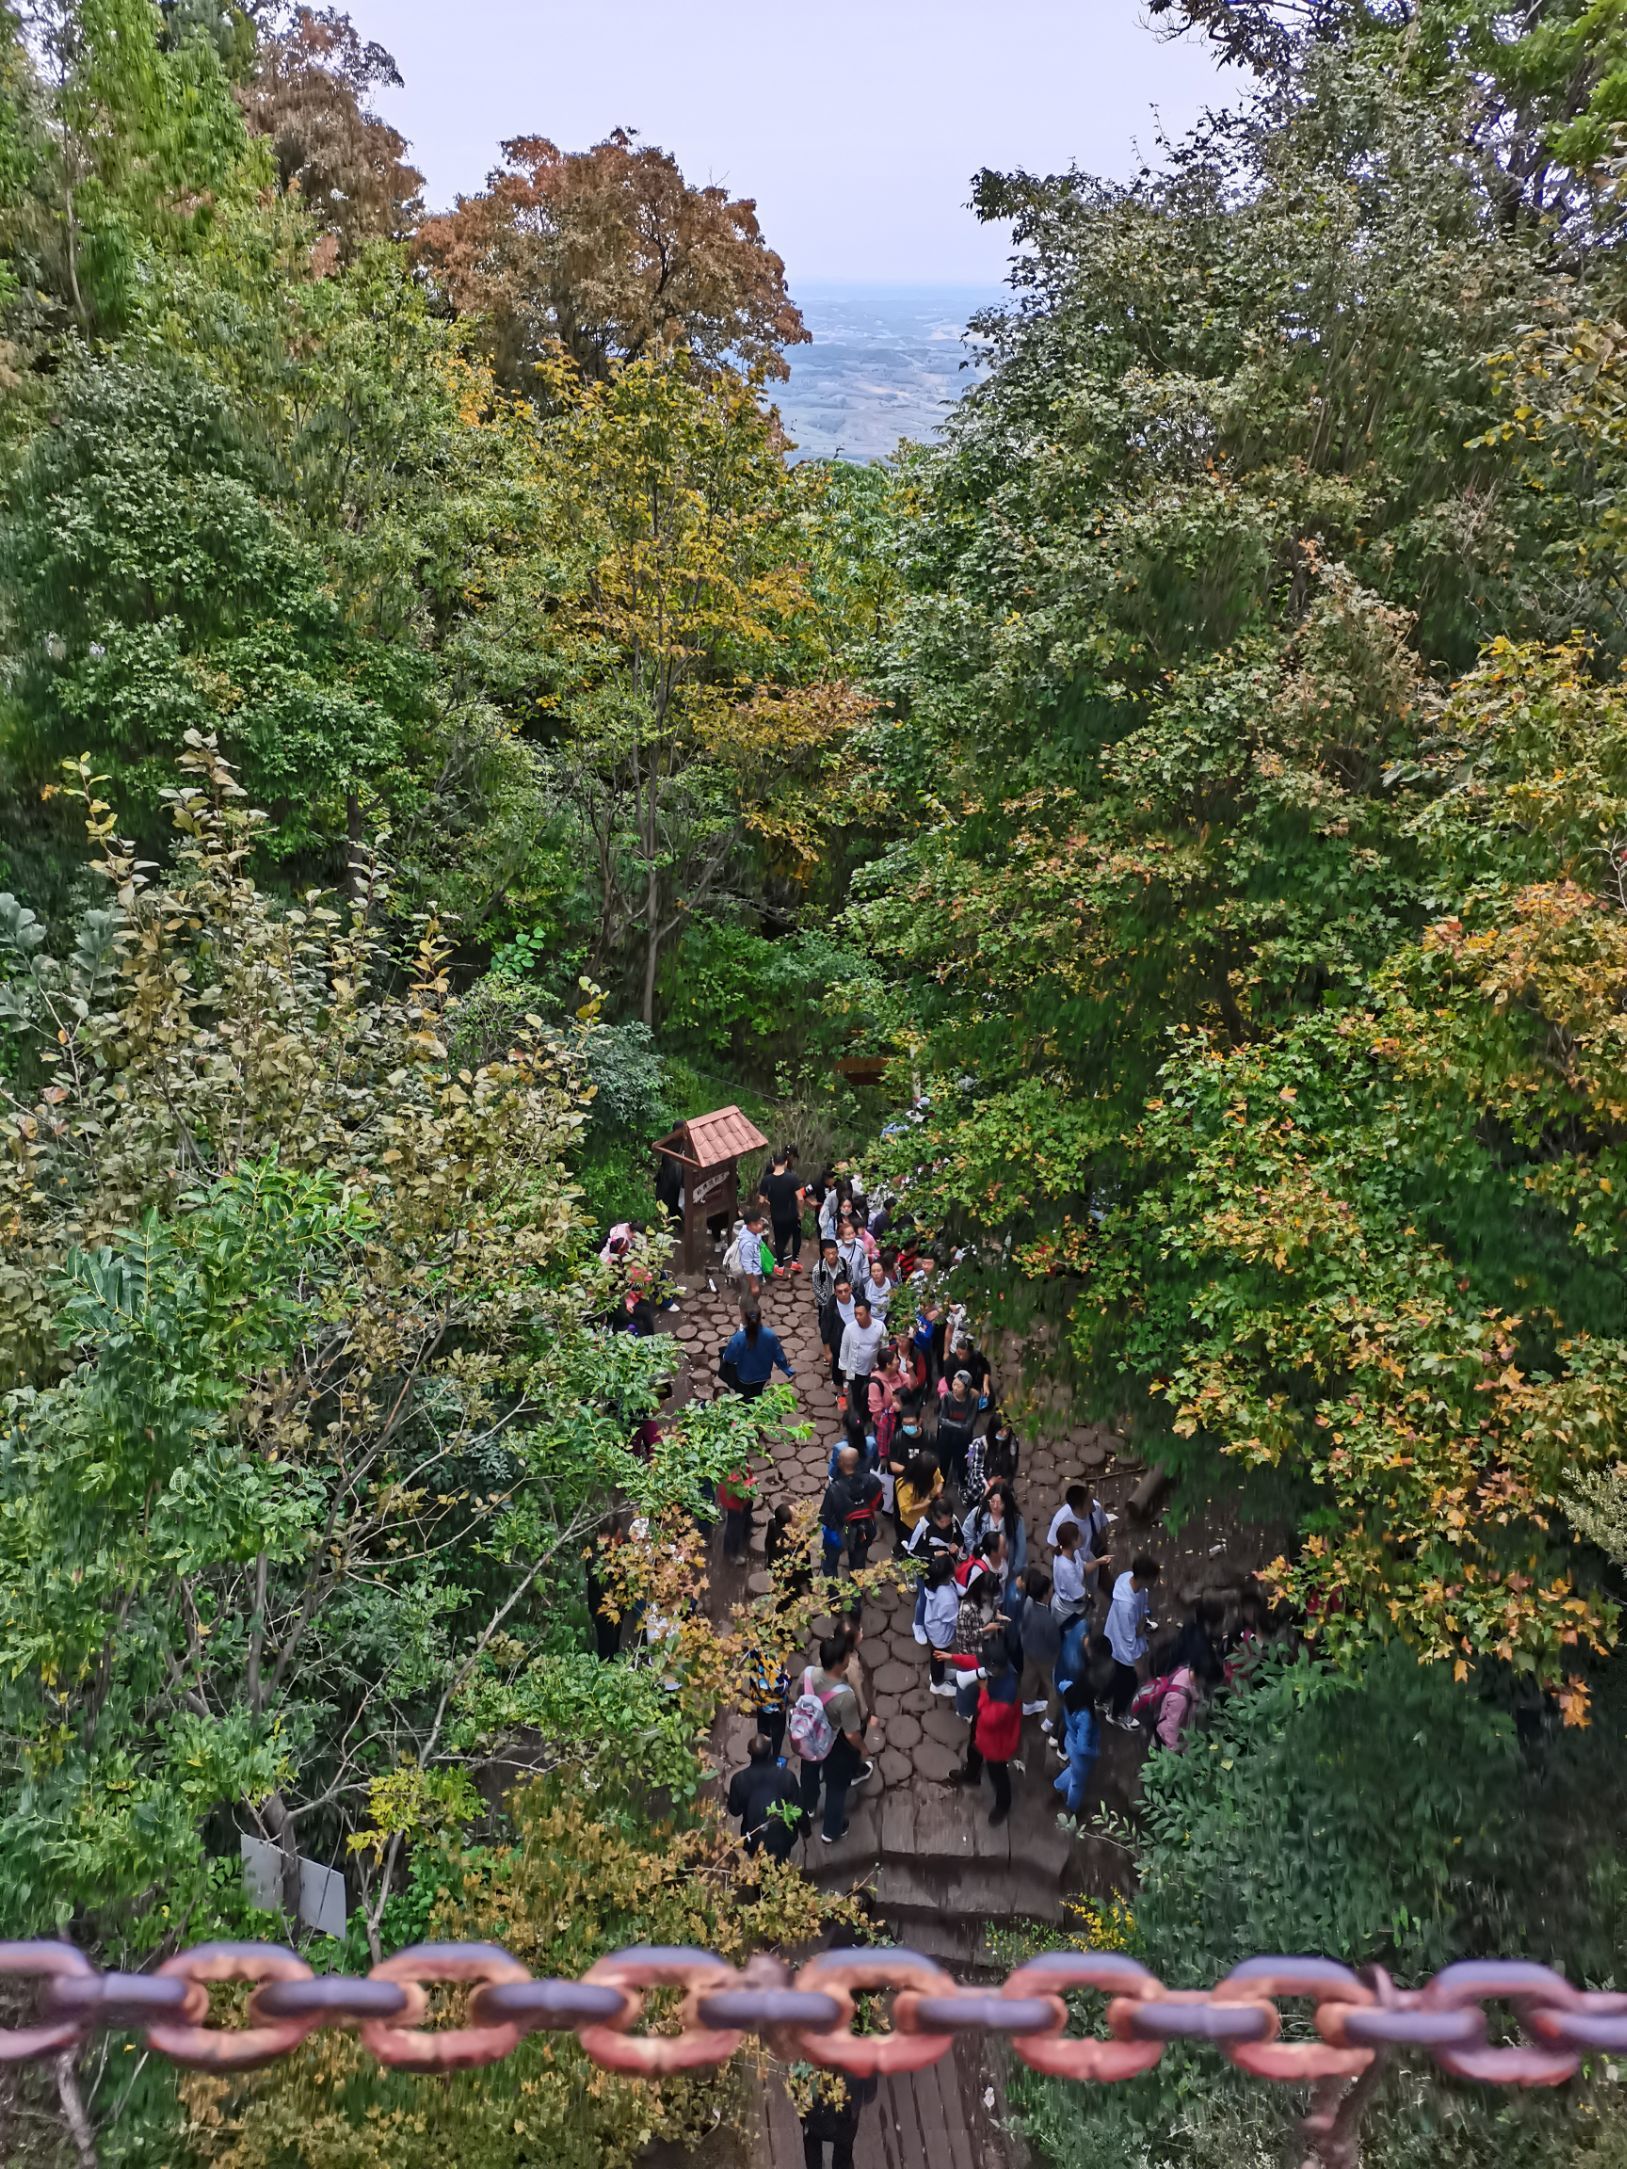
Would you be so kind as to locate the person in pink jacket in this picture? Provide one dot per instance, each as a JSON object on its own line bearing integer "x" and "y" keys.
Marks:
{"x": 1168, "y": 1704}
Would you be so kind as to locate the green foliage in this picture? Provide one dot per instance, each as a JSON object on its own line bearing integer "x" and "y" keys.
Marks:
{"x": 750, "y": 1004}
{"x": 603, "y": 1722}
{"x": 698, "y": 720}
{"x": 1356, "y": 1813}
{"x": 307, "y": 1431}
{"x": 1263, "y": 989}
{"x": 1373, "y": 1815}
{"x": 155, "y": 587}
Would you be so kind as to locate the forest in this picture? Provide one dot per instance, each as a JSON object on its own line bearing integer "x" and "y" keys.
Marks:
{"x": 447, "y": 737}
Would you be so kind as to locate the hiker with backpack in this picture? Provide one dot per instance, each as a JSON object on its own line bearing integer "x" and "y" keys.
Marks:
{"x": 847, "y": 1517}
{"x": 748, "y": 1257}
{"x": 889, "y": 1377}
{"x": 1167, "y": 1705}
{"x": 826, "y": 1273}
{"x": 864, "y": 1491}
{"x": 996, "y": 1732}
{"x": 826, "y": 1730}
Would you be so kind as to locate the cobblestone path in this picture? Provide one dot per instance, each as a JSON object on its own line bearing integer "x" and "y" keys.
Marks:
{"x": 943, "y": 1881}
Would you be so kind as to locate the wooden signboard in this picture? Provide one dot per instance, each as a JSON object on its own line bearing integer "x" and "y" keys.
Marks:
{"x": 707, "y": 1150}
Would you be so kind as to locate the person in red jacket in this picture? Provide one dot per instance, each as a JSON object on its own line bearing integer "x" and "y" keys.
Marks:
{"x": 997, "y": 1732}
{"x": 736, "y": 1495}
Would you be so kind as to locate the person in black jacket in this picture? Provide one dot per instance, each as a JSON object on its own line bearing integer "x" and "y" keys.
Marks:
{"x": 782, "y": 1189}
{"x": 833, "y": 2119}
{"x": 834, "y": 1317}
{"x": 763, "y": 1787}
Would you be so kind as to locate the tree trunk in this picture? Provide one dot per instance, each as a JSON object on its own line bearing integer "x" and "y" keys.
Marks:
{"x": 652, "y": 939}
{"x": 355, "y": 838}
{"x": 276, "y": 1817}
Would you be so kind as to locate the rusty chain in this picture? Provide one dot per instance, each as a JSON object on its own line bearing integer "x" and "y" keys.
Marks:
{"x": 808, "y": 2015}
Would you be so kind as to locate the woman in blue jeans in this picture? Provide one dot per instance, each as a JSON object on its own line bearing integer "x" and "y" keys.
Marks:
{"x": 1078, "y": 1743}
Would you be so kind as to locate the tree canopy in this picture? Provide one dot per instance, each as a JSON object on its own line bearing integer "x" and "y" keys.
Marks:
{"x": 610, "y": 253}
{"x": 1262, "y": 987}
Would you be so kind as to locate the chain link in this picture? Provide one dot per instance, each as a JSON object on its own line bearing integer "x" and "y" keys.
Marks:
{"x": 810, "y": 2016}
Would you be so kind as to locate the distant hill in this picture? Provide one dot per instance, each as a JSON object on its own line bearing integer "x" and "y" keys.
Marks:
{"x": 885, "y": 363}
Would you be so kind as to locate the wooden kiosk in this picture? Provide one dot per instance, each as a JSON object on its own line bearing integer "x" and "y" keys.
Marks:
{"x": 707, "y": 1150}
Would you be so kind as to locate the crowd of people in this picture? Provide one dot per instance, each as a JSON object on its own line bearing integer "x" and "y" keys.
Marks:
{"x": 1039, "y": 1632}
{"x": 1017, "y": 1629}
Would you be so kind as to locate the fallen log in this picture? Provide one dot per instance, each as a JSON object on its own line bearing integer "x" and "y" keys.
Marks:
{"x": 1149, "y": 1491}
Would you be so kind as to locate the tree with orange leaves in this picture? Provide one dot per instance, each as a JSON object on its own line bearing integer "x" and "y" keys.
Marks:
{"x": 309, "y": 92}
{"x": 610, "y": 253}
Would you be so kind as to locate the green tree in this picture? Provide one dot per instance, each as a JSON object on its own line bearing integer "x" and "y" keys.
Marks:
{"x": 679, "y": 595}
{"x": 1378, "y": 1815}
{"x": 1266, "y": 1044}
{"x": 580, "y": 1879}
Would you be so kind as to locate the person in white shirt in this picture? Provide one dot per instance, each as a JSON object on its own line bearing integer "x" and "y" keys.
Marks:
{"x": 937, "y": 1614}
{"x": 1127, "y": 1625}
{"x": 861, "y": 1345}
{"x": 1068, "y": 1597}
{"x": 1093, "y": 1523}
{"x": 878, "y": 1289}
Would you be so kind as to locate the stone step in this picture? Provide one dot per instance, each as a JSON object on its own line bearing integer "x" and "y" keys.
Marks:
{"x": 944, "y": 1827}
{"x": 961, "y": 1947}
{"x": 907, "y": 1891}
{"x": 937, "y": 1828}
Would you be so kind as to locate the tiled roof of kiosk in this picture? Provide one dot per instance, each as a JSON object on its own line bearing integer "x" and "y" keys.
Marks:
{"x": 723, "y": 1135}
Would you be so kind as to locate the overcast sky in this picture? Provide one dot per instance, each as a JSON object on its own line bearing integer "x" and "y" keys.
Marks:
{"x": 856, "y": 124}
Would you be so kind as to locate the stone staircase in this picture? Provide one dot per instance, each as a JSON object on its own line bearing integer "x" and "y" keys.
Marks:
{"x": 941, "y": 1877}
